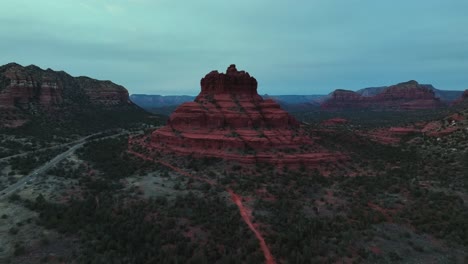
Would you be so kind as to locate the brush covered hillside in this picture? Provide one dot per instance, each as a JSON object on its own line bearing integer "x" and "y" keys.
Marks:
{"x": 233, "y": 178}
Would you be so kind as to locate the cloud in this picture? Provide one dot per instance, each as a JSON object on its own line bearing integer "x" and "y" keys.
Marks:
{"x": 306, "y": 47}
{"x": 114, "y": 9}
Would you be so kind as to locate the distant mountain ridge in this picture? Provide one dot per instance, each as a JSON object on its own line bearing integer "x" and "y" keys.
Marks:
{"x": 150, "y": 101}
{"x": 297, "y": 103}
{"x": 159, "y": 101}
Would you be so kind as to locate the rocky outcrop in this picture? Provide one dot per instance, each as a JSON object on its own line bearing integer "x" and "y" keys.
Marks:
{"x": 27, "y": 87}
{"x": 404, "y": 96}
{"x": 228, "y": 119}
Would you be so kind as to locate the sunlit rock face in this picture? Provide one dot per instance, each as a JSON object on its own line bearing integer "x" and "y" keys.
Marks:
{"x": 228, "y": 119}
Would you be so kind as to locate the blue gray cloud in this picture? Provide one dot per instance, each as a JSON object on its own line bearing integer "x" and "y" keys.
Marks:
{"x": 291, "y": 47}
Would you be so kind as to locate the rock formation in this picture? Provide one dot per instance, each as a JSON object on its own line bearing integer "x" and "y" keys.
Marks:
{"x": 404, "y": 96}
{"x": 446, "y": 96}
{"x": 228, "y": 119}
{"x": 27, "y": 91}
{"x": 103, "y": 92}
{"x": 407, "y": 96}
{"x": 345, "y": 99}
{"x": 22, "y": 87}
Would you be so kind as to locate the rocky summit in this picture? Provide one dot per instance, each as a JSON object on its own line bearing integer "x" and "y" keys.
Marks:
{"x": 403, "y": 96}
{"x": 229, "y": 120}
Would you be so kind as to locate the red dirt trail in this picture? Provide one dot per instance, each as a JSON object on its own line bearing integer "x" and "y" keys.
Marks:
{"x": 246, "y": 216}
{"x": 237, "y": 199}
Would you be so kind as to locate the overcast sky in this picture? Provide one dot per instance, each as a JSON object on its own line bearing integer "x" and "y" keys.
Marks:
{"x": 290, "y": 47}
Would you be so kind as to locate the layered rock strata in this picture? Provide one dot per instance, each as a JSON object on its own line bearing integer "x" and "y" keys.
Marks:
{"x": 228, "y": 119}
{"x": 21, "y": 87}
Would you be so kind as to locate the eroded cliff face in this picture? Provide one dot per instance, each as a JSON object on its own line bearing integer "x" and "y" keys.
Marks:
{"x": 22, "y": 87}
{"x": 403, "y": 96}
{"x": 228, "y": 119}
{"x": 103, "y": 92}
{"x": 29, "y": 91}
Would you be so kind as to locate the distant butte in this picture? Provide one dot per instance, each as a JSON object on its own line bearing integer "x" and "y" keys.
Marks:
{"x": 403, "y": 96}
{"x": 229, "y": 120}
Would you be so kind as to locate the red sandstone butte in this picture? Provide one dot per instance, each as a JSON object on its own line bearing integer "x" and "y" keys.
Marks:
{"x": 403, "y": 96}
{"x": 229, "y": 120}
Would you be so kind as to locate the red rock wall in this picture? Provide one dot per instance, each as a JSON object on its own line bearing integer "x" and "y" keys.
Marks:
{"x": 20, "y": 92}
{"x": 22, "y": 86}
